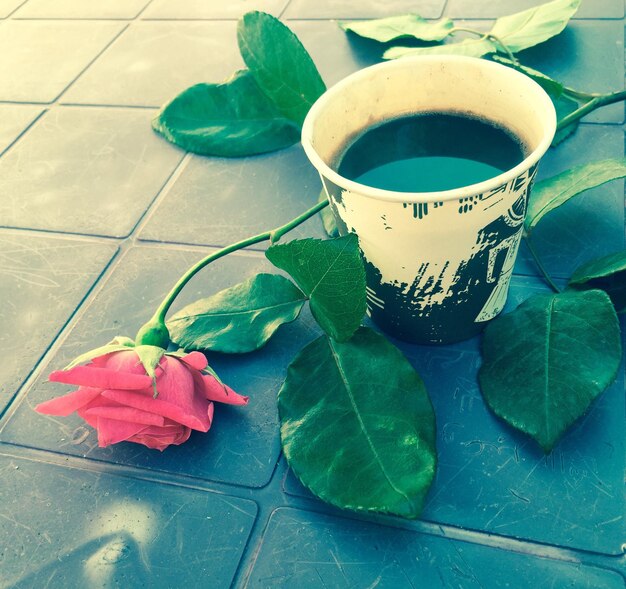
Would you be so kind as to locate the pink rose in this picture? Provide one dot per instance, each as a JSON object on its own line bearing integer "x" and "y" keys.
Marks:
{"x": 115, "y": 396}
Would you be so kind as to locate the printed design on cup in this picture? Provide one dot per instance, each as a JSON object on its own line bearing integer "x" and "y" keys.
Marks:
{"x": 419, "y": 293}
{"x": 420, "y": 209}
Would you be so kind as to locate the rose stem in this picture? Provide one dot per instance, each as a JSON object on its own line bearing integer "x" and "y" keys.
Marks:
{"x": 273, "y": 235}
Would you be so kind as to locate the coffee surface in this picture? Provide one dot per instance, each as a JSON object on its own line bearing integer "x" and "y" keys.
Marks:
{"x": 430, "y": 152}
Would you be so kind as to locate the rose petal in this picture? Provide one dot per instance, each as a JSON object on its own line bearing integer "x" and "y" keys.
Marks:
{"x": 146, "y": 402}
{"x": 214, "y": 391}
{"x": 161, "y": 438}
{"x": 112, "y": 431}
{"x": 196, "y": 360}
{"x": 125, "y": 361}
{"x": 68, "y": 403}
{"x": 210, "y": 413}
{"x": 128, "y": 414}
{"x": 103, "y": 378}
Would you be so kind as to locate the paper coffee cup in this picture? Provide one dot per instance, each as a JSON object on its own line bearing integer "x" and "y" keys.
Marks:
{"x": 438, "y": 264}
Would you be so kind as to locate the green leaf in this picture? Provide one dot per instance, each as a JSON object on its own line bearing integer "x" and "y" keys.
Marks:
{"x": 240, "y": 318}
{"x": 280, "y": 64}
{"x": 118, "y": 344}
{"x": 533, "y": 26}
{"x": 398, "y": 27}
{"x": 357, "y": 426}
{"x": 547, "y": 361}
{"x": 607, "y": 274}
{"x": 150, "y": 356}
{"x": 517, "y": 31}
{"x": 332, "y": 275}
{"x": 550, "y": 194}
{"x": 328, "y": 219}
{"x": 230, "y": 119}
{"x": 467, "y": 47}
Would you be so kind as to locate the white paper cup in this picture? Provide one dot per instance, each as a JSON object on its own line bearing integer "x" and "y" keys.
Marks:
{"x": 438, "y": 263}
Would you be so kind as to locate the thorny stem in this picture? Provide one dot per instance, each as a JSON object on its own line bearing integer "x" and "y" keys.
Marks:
{"x": 544, "y": 272}
{"x": 272, "y": 235}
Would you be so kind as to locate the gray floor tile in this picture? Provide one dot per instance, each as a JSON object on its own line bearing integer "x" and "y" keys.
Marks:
{"x": 303, "y": 549}
{"x": 93, "y": 529}
{"x": 494, "y": 8}
{"x": 14, "y": 119}
{"x": 85, "y": 170}
{"x": 217, "y": 201}
{"x": 361, "y": 8}
{"x": 35, "y": 66}
{"x": 201, "y": 9}
{"x": 493, "y": 479}
{"x": 8, "y": 6}
{"x": 590, "y": 225}
{"x": 588, "y": 56}
{"x": 153, "y": 61}
{"x": 242, "y": 446}
{"x": 42, "y": 280}
{"x": 81, "y": 9}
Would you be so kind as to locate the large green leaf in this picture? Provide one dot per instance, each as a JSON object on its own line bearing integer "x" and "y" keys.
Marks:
{"x": 551, "y": 193}
{"x": 467, "y": 47}
{"x": 398, "y": 27}
{"x": 331, "y": 274}
{"x": 240, "y": 318}
{"x": 547, "y": 361}
{"x": 357, "y": 426}
{"x": 231, "y": 119}
{"x": 533, "y": 26}
{"x": 280, "y": 64}
{"x": 607, "y": 274}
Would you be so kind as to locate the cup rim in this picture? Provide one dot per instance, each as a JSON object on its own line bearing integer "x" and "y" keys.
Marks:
{"x": 424, "y": 197}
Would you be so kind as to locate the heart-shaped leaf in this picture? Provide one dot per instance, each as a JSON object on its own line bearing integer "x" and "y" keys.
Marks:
{"x": 544, "y": 363}
{"x": 357, "y": 426}
{"x": 533, "y": 26}
{"x": 280, "y": 64}
{"x": 550, "y": 194}
{"x": 607, "y": 274}
{"x": 398, "y": 27}
{"x": 331, "y": 273}
{"x": 231, "y": 119}
{"x": 238, "y": 319}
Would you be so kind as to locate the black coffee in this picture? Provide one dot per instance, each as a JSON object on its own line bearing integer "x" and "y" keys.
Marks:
{"x": 430, "y": 152}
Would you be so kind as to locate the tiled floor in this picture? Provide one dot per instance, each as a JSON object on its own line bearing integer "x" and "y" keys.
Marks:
{"x": 98, "y": 216}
